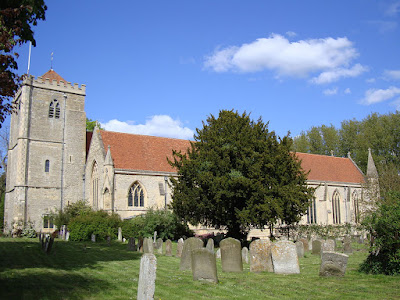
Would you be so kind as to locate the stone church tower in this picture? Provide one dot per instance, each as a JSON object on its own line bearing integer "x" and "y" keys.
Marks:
{"x": 46, "y": 155}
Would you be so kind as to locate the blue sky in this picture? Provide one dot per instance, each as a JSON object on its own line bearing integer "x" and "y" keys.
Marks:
{"x": 161, "y": 67}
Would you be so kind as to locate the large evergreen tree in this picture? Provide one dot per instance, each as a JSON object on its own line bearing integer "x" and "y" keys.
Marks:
{"x": 238, "y": 174}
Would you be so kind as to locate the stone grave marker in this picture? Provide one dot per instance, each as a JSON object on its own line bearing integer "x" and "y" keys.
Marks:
{"x": 231, "y": 255}
{"x": 218, "y": 253}
{"x": 158, "y": 246}
{"x": 179, "y": 247}
{"x": 260, "y": 256}
{"x": 347, "y": 245}
{"x": 131, "y": 244}
{"x": 284, "y": 258}
{"x": 48, "y": 244}
{"x": 204, "y": 265}
{"x": 148, "y": 246}
{"x": 333, "y": 264}
{"x": 328, "y": 246}
{"x": 147, "y": 276}
{"x": 67, "y": 236}
{"x": 305, "y": 244}
{"x": 186, "y": 258}
{"x": 119, "y": 234}
{"x": 168, "y": 248}
{"x": 245, "y": 255}
{"x": 155, "y": 237}
{"x": 316, "y": 246}
{"x": 93, "y": 238}
{"x": 299, "y": 248}
{"x": 210, "y": 245}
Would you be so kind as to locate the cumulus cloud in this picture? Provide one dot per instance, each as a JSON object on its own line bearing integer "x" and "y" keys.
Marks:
{"x": 373, "y": 96}
{"x": 330, "y": 92}
{"x": 298, "y": 59}
{"x": 336, "y": 74}
{"x": 158, "y": 125}
{"x": 391, "y": 74}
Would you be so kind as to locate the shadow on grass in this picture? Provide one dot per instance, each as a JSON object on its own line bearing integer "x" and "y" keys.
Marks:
{"x": 50, "y": 286}
{"x": 27, "y": 253}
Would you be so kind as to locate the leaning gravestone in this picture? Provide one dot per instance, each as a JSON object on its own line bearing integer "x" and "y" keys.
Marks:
{"x": 179, "y": 247}
{"x": 316, "y": 246}
{"x": 148, "y": 246}
{"x": 284, "y": 258}
{"x": 93, "y": 238}
{"x": 328, "y": 246}
{"x": 218, "y": 253}
{"x": 158, "y": 245}
{"x": 131, "y": 244}
{"x": 260, "y": 256}
{"x": 305, "y": 244}
{"x": 333, "y": 264}
{"x": 168, "y": 248}
{"x": 245, "y": 255}
{"x": 300, "y": 248}
{"x": 186, "y": 258}
{"x": 147, "y": 276}
{"x": 119, "y": 234}
{"x": 231, "y": 255}
{"x": 204, "y": 265}
{"x": 210, "y": 245}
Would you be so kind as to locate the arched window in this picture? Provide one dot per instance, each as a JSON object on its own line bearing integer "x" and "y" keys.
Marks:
{"x": 57, "y": 110}
{"x": 51, "y": 110}
{"x": 136, "y": 195}
{"x": 312, "y": 212}
{"x": 336, "y": 207}
{"x": 356, "y": 207}
{"x": 54, "y": 109}
{"x": 95, "y": 186}
{"x": 47, "y": 166}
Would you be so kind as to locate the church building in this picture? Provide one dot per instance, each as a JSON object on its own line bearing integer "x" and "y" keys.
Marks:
{"x": 54, "y": 161}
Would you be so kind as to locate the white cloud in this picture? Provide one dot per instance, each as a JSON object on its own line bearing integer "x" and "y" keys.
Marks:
{"x": 336, "y": 74}
{"x": 370, "y": 80}
{"x": 276, "y": 53}
{"x": 291, "y": 33}
{"x": 347, "y": 91}
{"x": 373, "y": 96}
{"x": 393, "y": 9}
{"x": 391, "y": 74}
{"x": 330, "y": 92}
{"x": 159, "y": 125}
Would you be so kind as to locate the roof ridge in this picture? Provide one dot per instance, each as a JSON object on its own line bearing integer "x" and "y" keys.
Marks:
{"x": 146, "y": 135}
{"x": 325, "y": 155}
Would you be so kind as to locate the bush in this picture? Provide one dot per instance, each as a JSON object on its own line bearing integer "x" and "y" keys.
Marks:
{"x": 99, "y": 223}
{"x": 384, "y": 227}
{"x": 72, "y": 210}
{"x": 165, "y": 222}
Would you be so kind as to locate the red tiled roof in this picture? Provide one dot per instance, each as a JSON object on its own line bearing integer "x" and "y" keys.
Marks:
{"x": 141, "y": 152}
{"x": 330, "y": 168}
{"x": 52, "y": 75}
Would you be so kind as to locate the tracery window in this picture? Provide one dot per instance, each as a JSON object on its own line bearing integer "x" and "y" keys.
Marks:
{"x": 312, "y": 212}
{"x": 54, "y": 109}
{"x": 336, "y": 208}
{"x": 356, "y": 207}
{"x": 136, "y": 195}
{"x": 95, "y": 186}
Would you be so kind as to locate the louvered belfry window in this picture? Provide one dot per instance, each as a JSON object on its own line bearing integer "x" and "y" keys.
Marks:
{"x": 54, "y": 109}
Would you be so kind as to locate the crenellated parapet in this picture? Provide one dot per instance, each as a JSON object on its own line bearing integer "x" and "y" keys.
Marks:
{"x": 60, "y": 86}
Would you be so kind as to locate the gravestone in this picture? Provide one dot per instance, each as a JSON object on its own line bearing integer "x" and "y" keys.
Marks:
{"x": 260, "y": 256}
{"x": 155, "y": 237}
{"x": 158, "y": 245}
{"x": 168, "y": 248}
{"x": 231, "y": 255}
{"x": 179, "y": 247}
{"x": 316, "y": 246}
{"x": 48, "y": 244}
{"x": 119, "y": 234}
{"x": 131, "y": 244}
{"x": 204, "y": 265}
{"x": 186, "y": 258}
{"x": 347, "y": 244}
{"x": 333, "y": 264}
{"x": 245, "y": 255}
{"x": 93, "y": 238}
{"x": 148, "y": 246}
{"x": 218, "y": 253}
{"x": 299, "y": 249}
{"x": 305, "y": 244}
{"x": 147, "y": 276}
{"x": 67, "y": 236}
{"x": 210, "y": 245}
{"x": 284, "y": 258}
{"x": 140, "y": 244}
{"x": 328, "y": 246}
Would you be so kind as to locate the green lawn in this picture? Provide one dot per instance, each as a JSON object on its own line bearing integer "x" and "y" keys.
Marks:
{"x": 97, "y": 271}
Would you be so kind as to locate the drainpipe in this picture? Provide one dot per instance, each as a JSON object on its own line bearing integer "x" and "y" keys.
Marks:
{"x": 62, "y": 155}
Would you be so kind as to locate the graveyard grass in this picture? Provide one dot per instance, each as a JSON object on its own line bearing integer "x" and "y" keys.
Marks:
{"x": 98, "y": 271}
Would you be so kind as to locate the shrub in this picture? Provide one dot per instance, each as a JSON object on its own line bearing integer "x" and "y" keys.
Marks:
{"x": 384, "y": 227}
{"x": 70, "y": 211}
{"x": 28, "y": 231}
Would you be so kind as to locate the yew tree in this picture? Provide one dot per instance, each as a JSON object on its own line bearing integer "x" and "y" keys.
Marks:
{"x": 238, "y": 174}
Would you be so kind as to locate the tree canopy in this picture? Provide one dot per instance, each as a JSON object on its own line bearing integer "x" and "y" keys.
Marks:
{"x": 91, "y": 124}
{"x": 238, "y": 174}
{"x": 16, "y": 19}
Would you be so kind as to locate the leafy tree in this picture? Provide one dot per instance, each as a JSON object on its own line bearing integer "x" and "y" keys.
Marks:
{"x": 91, "y": 124}
{"x": 16, "y": 19}
{"x": 238, "y": 174}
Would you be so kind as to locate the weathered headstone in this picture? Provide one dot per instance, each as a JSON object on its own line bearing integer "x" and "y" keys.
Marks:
{"x": 300, "y": 249}
{"x": 48, "y": 244}
{"x": 260, "y": 256}
{"x": 119, "y": 234}
{"x": 179, "y": 247}
{"x": 204, "y": 266}
{"x": 67, "y": 236}
{"x": 328, "y": 246}
{"x": 131, "y": 244}
{"x": 284, "y": 258}
{"x": 148, "y": 246}
{"x": 186, "y": 258}
{"x": 155, "y": 237}
{"x": 168, "y": 248}
{"x": 245, "y": 255}
{"x": 93, "y": 238}
{"x": 140, "y": 244}
{"x": 333, "y": 264}
{"x": 218, "y": 253}
{"x": 147, "y": 276}
{"x": 210, "y": 245}
{"x": 231, "y": 255}
{"x": 305, "y": 244}
{"x": 316, "y": 246}
{"x": 347, "y": 245}
{"x": 158, "y": 246}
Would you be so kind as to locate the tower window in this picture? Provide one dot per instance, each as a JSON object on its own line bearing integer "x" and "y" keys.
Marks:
{"x": 47, "y": 166}
{"x": 54, "y": 109}
{"x": 51, "y": 110}
{"x": 57, "y": 110}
